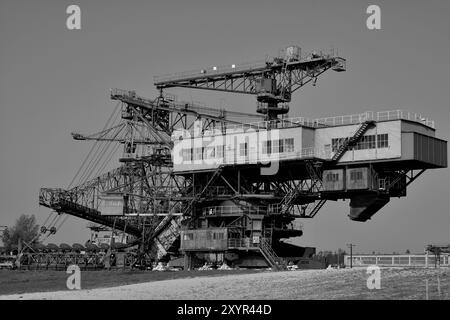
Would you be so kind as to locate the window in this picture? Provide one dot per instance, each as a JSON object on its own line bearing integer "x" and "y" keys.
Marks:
{"x": 382, "y": 140}
{"x": 275, "y": 146}
{"x": 218, "y": 236}
{"x": 210, "y": 153}
{"x": 188, "y": 236}
{"x": 382, "y": 183}
{"x": 372, "y": 142}
{"x": 219, "y": 151}
{"x": 289, "y": 145}
{"x": 278, "y": 146}
{"x": 198, "y": 153}
{"x": 267, "y": 147}
{"x": 186, "y": 154}
{"x": 336, "y": 143}
{"x": 365, "y": 142}
{"x": 281, "y": 146}
{"x": 356, "y": 175}
{"x": 332, "y": 177}
{"x": 243, "y": 149}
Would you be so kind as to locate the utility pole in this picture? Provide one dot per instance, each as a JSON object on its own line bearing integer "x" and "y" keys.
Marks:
{"x": 350, "y": 245}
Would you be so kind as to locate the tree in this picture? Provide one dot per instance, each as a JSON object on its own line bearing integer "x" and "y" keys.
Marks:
{"x": 25, "y": 229}
{"x": 407, "y": 251}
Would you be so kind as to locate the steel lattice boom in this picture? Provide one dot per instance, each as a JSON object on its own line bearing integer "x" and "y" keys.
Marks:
{"x": 195, "y": 180}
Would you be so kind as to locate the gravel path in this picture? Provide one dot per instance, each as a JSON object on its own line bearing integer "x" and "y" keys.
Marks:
{"x": 301, "y": 284}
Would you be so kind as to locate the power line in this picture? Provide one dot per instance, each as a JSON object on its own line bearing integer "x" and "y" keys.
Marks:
{"x": 94, "y": 145}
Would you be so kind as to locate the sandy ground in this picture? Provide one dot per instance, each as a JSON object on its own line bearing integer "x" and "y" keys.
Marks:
{"x": 396, "y": 283}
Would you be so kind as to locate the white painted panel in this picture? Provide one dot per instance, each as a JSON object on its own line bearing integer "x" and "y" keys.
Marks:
{"x": 324, "y": 136}
{"x": 232, "y": 141}
{"x": 110, "y": 205}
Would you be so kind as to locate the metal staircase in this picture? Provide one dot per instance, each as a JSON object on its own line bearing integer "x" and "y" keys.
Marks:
{"x": 316, "y": 208}
{"x": 338, "y": 155}
{"x": 316, "y": 180}
{"x": 353, "y": 140}
{"x": 287, "y": 200}
{"x": 275, "y": 262}
{"x": 316, "y": 186}
{"x": 268, "y": 231}
{"x": 168, "y": 232}
{"x": 197, "y": 197}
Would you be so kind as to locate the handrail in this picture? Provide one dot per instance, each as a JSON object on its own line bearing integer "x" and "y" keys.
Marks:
{"x": 241, "y": 243}
{"x": 327, "y": 121}
{"x": 344, "y": 120}
{"x": 258, "y": 64}
{"x": 224, "y": 210}
{"x": 270, "y": 255}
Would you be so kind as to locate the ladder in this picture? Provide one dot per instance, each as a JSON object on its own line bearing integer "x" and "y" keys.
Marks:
{"x": 271, "y": 257}
{"x": 316, "y": 181}
{"x": 316, "y": 208}
{"x": 197, "y": 197}
{"x": 268, "y": 232}
{"x": 166, "y": 237}
{"x": 338, "y": 155}
{"x": 287, "y": 200}
{"x": 353, "y": 140}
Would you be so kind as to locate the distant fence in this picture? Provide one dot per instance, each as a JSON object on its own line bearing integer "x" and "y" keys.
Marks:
{"x": 86, "y": 261}
{"x": 413, "y": 260}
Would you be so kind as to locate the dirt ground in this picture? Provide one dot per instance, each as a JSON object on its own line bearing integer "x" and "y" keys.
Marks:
{"x": 25, "y": 281}
{"x": 396, "y": 283}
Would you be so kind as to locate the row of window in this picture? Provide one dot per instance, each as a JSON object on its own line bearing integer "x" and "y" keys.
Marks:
{"x": 209, "y": 236}
{"x": 217, "y": 152}
{"x": 366, "y": 142}
{"x": 356, "y": 175}
{"x": 202, "y": 153}
{"x": 278, "y": 146}
{"x": 334, "y": 177}
{"x": 284, "y": 145}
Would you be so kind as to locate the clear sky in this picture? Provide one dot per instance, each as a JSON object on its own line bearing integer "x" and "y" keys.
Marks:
{"x": 54, "y": 81}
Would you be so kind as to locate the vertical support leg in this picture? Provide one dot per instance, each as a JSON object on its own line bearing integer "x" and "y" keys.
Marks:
{"x": 187, "y": 261}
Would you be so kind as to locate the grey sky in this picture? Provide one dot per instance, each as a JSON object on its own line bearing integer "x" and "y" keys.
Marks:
{"x": 54, "y": 81}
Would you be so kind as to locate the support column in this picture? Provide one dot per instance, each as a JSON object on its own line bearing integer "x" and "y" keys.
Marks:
{"x": 239, "y": 179}
{"x": 187, "y": 260}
